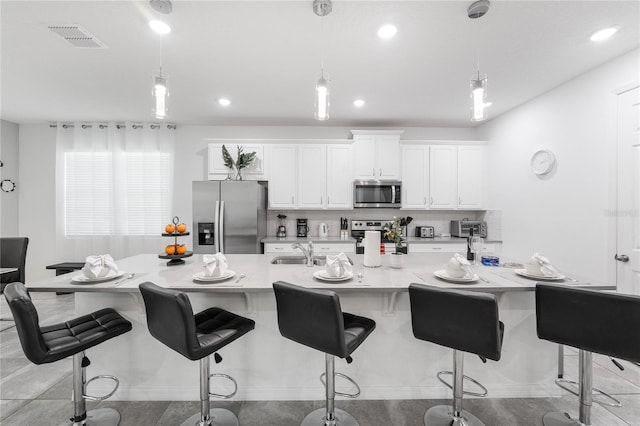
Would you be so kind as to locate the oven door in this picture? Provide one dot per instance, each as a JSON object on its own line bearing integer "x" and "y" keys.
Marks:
{"x": 376, "y": 194}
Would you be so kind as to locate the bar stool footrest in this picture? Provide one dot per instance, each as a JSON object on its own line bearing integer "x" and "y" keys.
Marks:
{"x": 225, "y": 376}
{"x": 595, "y": 392}
{"x": 484, "y": 392}
{"x": 101, "y": 398}
{"x": 344, "y": 376}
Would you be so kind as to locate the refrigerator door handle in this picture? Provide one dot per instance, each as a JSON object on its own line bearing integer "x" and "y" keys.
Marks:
{"x": 216, "y": 227}
{"x": 221, "y": 228}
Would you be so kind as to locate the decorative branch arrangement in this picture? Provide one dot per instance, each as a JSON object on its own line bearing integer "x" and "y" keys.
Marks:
{"x": 242, "y": 160}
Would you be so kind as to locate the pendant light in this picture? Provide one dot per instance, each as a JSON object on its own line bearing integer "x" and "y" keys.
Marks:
{"x": 322, "y": 8}
{"x": 160, "y": 92}
{"x": 478, "y": 85}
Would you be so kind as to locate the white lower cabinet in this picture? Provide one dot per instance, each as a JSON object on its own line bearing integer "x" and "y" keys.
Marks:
{"x": 319, "y": 249}
{"x": 438, "y": 248}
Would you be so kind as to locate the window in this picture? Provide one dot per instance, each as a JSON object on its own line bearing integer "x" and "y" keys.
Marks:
{"x": 101, "y": 200}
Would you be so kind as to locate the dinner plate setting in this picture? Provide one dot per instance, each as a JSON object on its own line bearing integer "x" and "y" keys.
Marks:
{"x": 201, "y": 278}
{"x": 322, "y": 275}
{"x": 443, "y": 275}
{"x": 83, "y": 279}
{"x": 524, "y": 273}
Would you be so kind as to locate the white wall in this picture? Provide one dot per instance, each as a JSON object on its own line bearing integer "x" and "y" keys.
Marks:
{"x": 563, "y": 214}
{"x": 37, "y": 175}
{"x": 9, "y": 200}
{"x": 37, "y": 199}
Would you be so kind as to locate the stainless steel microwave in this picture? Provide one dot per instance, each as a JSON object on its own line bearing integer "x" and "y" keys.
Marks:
{"x": 377, "y": 193}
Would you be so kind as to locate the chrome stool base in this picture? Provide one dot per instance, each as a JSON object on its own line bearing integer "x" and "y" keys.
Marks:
{"x": 99, "y": 417}
{"x": 317, "y": 418}
{"x": 556, "y": 418}
{"x": 442, "y": 415}
{"x": 218, "y": 416}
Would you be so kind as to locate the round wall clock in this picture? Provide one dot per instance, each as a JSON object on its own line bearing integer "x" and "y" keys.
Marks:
{"x": 7, "y": 185}
{"x": 542, "y": 162}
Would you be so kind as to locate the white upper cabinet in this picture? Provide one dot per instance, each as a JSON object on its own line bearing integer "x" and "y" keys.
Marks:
{"x": 218, "y": 171}
{"x": 312, "y": 177}
{"x": 471, "y": 177}
{"x": 442, "y": 177}
{"x": 377, "y": 154}
{"x": 415, "y": 176}
{"x": 282, "y": 176}
{"x": 339, "y": 177}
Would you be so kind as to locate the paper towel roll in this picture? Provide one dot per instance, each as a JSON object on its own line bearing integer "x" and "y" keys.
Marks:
{"x": 371, "y": 249}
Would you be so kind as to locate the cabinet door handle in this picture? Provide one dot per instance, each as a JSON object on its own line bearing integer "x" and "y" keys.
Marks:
{"x": 437, "y": 248}
{"x": 380, "y": 172}
{"x": 459, "y": 201}
{"x": 373, "y": 171}
{"x": 431, "y": 201}
{"x": 292, "y": 200}
{"x": 321, "y": 199}
{"x": 328, "y": 198}
{"x": 425, "y": 201}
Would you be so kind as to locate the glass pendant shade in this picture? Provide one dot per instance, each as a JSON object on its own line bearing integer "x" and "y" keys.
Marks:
{"x": 160, "y": 96}
{"x": 322, "y": 99}
{"x": 479, "y": 98}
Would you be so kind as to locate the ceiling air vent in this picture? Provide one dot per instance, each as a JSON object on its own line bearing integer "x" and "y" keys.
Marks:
{"x": 77, "y": 36}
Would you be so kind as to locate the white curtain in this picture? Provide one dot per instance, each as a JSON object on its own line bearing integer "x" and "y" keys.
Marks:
{"x": 114, "y": 185}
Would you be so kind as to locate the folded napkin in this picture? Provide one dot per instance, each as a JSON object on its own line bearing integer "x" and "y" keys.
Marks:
{"x": 459, "y": 267}
{"x": 338, "y": 265}
{"x": 99, "y": 266}
{"x": 215, "y": 265}
{"x": 546, "y": 267}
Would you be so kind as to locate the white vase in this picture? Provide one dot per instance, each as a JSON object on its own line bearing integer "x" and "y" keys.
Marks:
{"x": 396, "y": 260}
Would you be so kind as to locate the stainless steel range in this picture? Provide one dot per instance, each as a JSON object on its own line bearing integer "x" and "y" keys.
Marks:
{"x": 358, "y": 228}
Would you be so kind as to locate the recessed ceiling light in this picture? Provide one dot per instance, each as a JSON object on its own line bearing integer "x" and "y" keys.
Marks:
{"x": 160, "y": 27}
{"x": 224, "y": 102}
{"x": 387, "y": 31}
{"x": 358, "y": 102}
{"x": 603, "y": 34}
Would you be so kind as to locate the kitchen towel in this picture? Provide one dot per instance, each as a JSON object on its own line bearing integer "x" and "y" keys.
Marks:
{"x": 215, "y": 265}
{"x": 99, "y": 266}
{"x": 546, "y": 267}
{"x": 338, "y": 266}
{"x": 371, "y": 244}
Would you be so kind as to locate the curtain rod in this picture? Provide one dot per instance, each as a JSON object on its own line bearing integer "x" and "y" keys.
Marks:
{"x": 118, "y": 126}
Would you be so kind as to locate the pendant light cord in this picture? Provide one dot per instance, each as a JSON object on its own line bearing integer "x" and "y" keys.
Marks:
{"x": 321, "y": 47}
{"x": 160, "y": 56}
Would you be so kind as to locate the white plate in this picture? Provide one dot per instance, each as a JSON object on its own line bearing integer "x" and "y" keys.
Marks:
{"x": 200, "y": 276}
{"x": 442, "y": 274}
{"x": 323, "y": 276}
{"x": 524, "y": 273}
{"x": 86, "y": 280}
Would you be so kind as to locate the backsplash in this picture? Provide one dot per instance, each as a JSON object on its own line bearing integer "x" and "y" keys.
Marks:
{"x": 438, "y": 219}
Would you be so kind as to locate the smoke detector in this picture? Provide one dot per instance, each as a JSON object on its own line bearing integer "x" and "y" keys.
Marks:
{"x": 322, "y": 7}
{"x": 478, "y": 9}
{"x": 77, "y": 36}
{"x": 162, "y": 6}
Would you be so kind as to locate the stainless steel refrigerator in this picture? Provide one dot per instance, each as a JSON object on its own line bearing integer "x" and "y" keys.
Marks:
{"x": 229, "y": 216}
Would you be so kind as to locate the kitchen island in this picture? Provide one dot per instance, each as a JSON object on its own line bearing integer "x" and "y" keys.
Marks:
{"x": 391, "y": 364}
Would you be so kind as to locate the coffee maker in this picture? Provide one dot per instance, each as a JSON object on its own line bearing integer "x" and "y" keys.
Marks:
{"x": 303, "y": 228}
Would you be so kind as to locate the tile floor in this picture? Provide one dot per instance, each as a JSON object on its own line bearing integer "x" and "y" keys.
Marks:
{"x": 40, "y": 395}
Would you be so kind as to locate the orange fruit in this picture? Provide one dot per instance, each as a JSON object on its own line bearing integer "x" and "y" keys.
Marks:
{"x": 170, "y": 249}
{"x": 170, "y": 229}
{"x": 182, "y": 249}
{"x": 181, "y": 228}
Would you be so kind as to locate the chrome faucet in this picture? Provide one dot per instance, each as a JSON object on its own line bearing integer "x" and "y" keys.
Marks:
{"x": 308, "y": 252}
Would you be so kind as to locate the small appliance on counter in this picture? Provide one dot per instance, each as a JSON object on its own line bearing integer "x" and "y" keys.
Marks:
{"x": 323, "y": 230}
{"x": 303, "y": 228}
{"x": 425, "y": 232}
{"x": 282, "y": 228}
{"x": 462, "y": 228}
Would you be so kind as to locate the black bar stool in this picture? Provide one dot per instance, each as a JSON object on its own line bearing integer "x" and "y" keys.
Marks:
{"x": 171, "y": 320}
{"x": 591, "y": 321}
{"x": 315, "y": 319}
{"x": 54, "y": 342}
{"x": 465, "y": 321}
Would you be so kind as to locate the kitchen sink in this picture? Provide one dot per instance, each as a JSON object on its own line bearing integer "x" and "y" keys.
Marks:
{"x": 300, "y": 260}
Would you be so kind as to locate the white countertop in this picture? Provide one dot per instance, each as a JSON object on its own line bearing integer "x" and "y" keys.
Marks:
{"x": 316, "y": 239}
{"x": 260, "y": 274}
